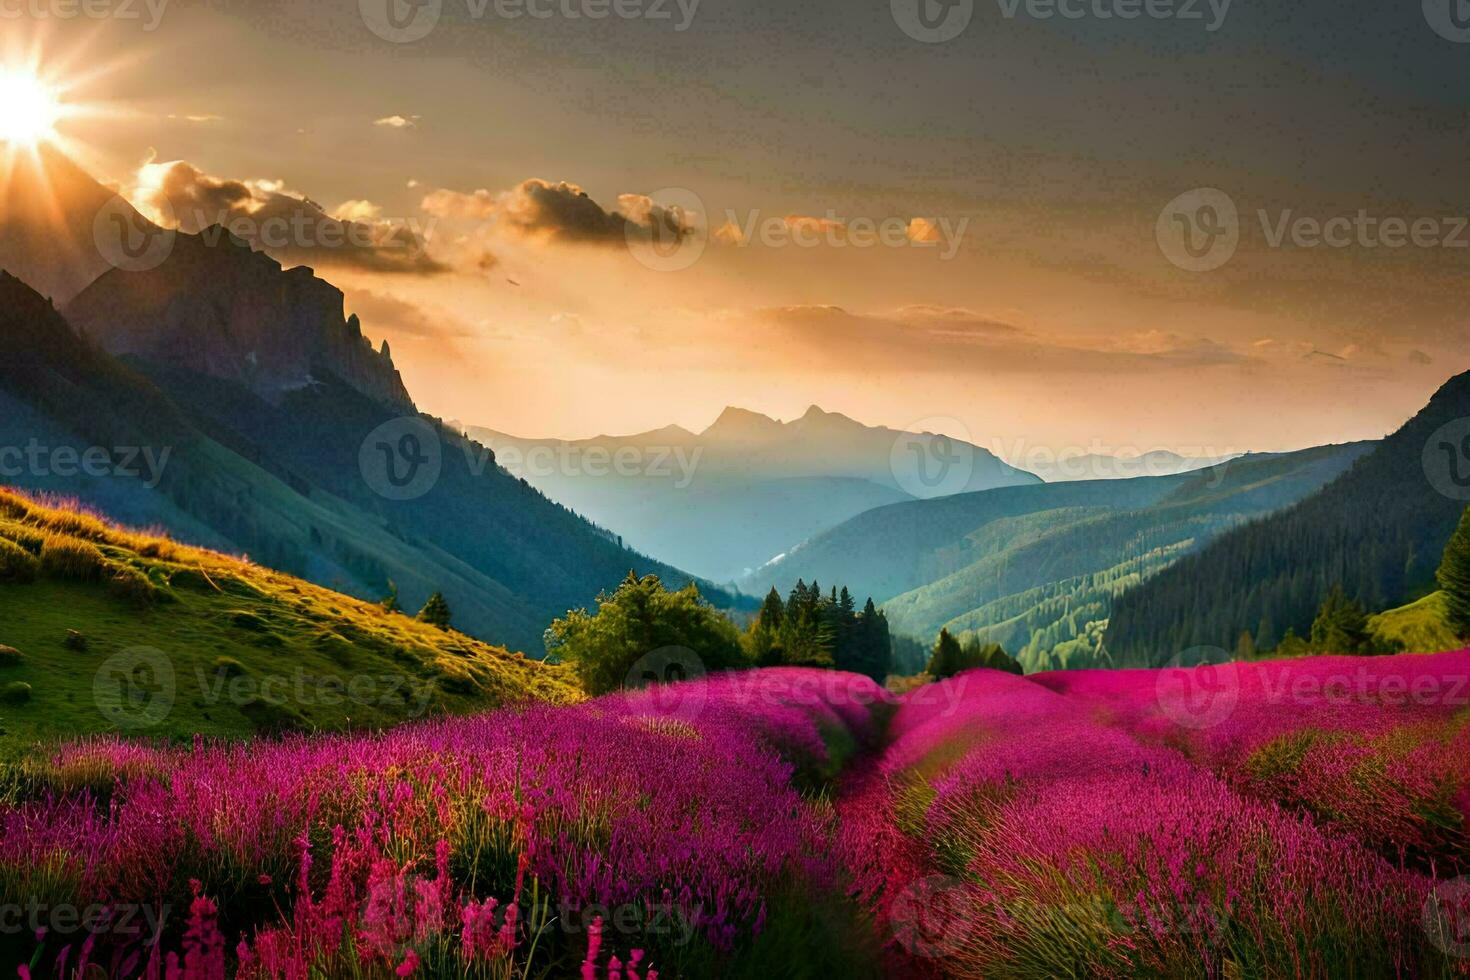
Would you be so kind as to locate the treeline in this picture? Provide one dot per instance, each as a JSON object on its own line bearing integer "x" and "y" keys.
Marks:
{"x": 814, "y": 630}
{"x": 953, "y": 656}
{"x": 1377, "y": 533}
{"x": 644, "y": 632}
{"x": 643, "y": 627}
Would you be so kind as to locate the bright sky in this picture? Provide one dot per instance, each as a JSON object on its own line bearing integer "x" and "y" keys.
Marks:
{"x": 974, "y": 233}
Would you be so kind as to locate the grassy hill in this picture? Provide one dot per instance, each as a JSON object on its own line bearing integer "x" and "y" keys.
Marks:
{"x": 1422, "y": 626}
{"x": 104, "y": 629}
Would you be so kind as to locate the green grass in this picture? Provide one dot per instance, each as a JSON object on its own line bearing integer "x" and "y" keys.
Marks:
{"x": 1420, "y": 627}
{"x": 230, "y": 649}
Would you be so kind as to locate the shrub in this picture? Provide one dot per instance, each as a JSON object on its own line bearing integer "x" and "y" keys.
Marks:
{"x": 16, "y": 563}
{"x": 436, "y": 612}
{"x": 132, "y": 585}
{"x": 10, "y": 657}
{"x": 16, "y": 692}
{"x": 73, "y": 559}
{"x": 643, "y": 629}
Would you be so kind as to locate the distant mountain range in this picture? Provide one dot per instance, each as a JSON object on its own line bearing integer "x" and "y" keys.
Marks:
{"x": 1067, "y": 468}
{"x": 749, "y": 487}
{"x": 1036, "y": 568}
{"x": 1379, "y": 532}
{"x": 275, "y": 429}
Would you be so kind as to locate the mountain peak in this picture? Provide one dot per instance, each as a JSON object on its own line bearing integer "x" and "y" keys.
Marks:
{"x": 742, "y": 423}
{"x": 823, "y": 421}
{"x": 219, "y": 308}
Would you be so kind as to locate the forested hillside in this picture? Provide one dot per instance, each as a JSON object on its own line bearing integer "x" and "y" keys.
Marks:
{"x": 1036, "y": 569}
{"x": 1378, "y": 532}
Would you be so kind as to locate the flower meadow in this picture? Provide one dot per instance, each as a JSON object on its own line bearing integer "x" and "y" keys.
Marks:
{"x": 678, "y": 831}
{"x": 1300, "y": 818}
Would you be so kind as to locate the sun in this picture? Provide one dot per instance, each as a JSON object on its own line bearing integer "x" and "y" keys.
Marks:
{"x": 29, "y": 109}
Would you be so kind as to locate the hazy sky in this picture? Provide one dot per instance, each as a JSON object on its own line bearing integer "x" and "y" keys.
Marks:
{"x": 971, "y": 233}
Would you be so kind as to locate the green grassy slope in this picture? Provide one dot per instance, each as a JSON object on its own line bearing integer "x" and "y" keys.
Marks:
{"x": 177, "y": 640}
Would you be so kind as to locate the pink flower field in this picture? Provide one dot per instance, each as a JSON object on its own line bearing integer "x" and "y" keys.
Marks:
{"x": 1296, "y": 818}
{"x": 1290, "y": 819}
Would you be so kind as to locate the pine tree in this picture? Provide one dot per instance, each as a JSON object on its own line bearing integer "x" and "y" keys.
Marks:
{"x": 773, "y": 611}
{"x": 1454, "y": 576}
{"x": 436, "y": 612}
{"x": 944, "y": 662}
{"x": 1341, "y": 625}
{"x": 1245, "y": 647}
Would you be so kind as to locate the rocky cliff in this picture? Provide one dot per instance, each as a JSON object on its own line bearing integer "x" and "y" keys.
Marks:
{"x": 219, "y": 308}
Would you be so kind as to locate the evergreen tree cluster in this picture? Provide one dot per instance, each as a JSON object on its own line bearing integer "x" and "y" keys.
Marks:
{"x": 810, "y": 629}
{"x": 953, "y": 656}
{"x": 1454, "y": 577}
